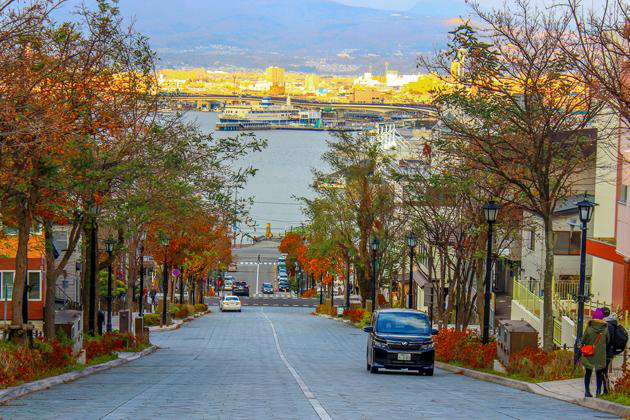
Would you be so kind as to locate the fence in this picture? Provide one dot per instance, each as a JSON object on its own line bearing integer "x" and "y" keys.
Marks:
{"x": 557, "y": 331}
{"x": 525, "y": 297}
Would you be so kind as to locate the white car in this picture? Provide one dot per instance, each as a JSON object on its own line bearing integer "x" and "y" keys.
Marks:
{"x": 230, "y": 303}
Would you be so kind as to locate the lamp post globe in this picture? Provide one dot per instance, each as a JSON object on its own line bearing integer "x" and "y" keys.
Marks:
{"x": 490, "y": 211}
{"x": 586, "y": 210}
{"x": 412, "y": 240}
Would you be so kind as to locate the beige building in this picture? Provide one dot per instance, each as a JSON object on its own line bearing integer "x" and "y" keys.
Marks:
{"x": 275, "y": 75}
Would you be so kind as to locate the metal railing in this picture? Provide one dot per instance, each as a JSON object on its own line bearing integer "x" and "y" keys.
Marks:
{"x": 557, "y": 331}
{"x": 525, "y": 297}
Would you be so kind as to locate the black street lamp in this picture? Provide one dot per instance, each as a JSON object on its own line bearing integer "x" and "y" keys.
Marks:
{"x": 490, "y": 211}
{"x": 348, "y": 285}
{"x": 586, "y": 213}
{"x": 94, "y": 208}
{"x": 181, "y": 289}
{"x": 412, "y": 241}
{"x": 332, "y": 291}
{"x": 109, "y": 247}
{"x": 143, "y": 238}
{"x": 375, "y": 245}
{"x": 321, "y": 290}
{"x": 165, "y": 242}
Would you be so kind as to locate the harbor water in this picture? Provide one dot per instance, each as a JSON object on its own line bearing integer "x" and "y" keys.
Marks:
{"x": 284, "y": 173}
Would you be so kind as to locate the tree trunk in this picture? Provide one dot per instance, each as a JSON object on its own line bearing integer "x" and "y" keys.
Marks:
{"x": 51, "y": 282}
{"x": 548, "y": 285}
{"x": 24, "y": 220}
{"x": 85, "y": 280}
{"x": 132, "y": 271}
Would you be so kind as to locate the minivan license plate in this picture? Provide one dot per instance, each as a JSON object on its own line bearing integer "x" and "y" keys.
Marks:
{"x": 404, "y": 356}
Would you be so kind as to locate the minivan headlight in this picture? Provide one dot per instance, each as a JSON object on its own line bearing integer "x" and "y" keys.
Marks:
{"x": 381, "y": 344}
{"x": 427, "y": 346}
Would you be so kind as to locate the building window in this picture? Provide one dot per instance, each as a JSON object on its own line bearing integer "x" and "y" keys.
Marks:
{"x": 531, "y": 242}
{"x": 60, "y": 239}
{"x": 35, "y": 283}
{"x": 6, "y": 283}
{"x": 623, "y": 194}
{"x": 567, "y": 243}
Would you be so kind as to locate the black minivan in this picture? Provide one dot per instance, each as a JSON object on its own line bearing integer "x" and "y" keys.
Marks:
{"x": 400, "y": 339}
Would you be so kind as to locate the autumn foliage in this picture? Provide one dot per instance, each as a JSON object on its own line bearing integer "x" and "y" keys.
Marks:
{"x": 23, "y": 364}
{"x": 464, "y": 347}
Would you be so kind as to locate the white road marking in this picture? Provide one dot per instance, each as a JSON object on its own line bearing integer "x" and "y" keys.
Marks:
{"x": 317, "y": 406}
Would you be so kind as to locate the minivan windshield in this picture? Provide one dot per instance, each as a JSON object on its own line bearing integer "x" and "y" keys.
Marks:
{"x": 407, "y": 323}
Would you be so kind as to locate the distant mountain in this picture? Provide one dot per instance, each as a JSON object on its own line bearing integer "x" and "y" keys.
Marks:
{"x": 284, "y": 26}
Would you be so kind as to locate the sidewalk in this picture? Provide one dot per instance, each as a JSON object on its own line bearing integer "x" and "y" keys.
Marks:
{"x": 569, "y": 390}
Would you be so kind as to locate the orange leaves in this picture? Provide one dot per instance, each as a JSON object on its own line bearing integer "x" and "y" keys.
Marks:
{"x": 197, "y": 243}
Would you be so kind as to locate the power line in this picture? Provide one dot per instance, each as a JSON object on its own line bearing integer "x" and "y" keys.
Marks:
{"x": 277, "y": 203}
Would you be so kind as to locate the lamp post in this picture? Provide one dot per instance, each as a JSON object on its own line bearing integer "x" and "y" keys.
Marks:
{"x": 143, "y": 237}
{"x": 412, "y": 241}
{"x": 165, "y": 242}
{"x": 93, "y": 251}
{"x": 348, "y": 285}
{"x": 109, "y": 247}
{"x": 375, "y": 246}
{"x": 321, "y": 290}
{"x": 586, "y": 212}
{"x": 490, "y": 211}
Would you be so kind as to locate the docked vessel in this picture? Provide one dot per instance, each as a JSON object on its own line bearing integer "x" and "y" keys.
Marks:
{"x": 267, "y": 116}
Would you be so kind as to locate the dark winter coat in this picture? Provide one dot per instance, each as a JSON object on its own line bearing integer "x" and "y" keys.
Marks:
{"x": 612, "y": 326}
{"x": 594, "y": 328}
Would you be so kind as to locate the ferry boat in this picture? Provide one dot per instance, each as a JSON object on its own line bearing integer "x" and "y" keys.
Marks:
{"x": 267, "y": 116}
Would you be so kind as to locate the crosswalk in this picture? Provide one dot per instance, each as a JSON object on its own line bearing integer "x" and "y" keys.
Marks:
{"x": 256, "y": 262}
{"x": 281, "y": 295}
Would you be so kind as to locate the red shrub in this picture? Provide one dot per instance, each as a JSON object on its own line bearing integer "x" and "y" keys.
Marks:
{"x": 464, "y": 347}
{"x": 622, "y": 385}
{"x": 308, "y": 293}
{"x": 25, "y": 364}
{"x": 354, "y": 315}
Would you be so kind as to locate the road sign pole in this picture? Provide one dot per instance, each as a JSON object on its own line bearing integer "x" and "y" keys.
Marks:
{"x": 257, "y": 275}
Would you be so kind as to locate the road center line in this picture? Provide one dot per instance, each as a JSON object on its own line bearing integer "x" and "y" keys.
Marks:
{"x": 317, "y": 406}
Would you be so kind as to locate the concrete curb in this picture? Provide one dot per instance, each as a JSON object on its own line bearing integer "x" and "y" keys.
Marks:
{"x": 593, "y": 403}
{"x": 21, "y": 390}
{"x": 179, "y": 322}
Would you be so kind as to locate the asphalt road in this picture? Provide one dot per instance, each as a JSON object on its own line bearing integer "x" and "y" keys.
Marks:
{"x": 276, "y": 363}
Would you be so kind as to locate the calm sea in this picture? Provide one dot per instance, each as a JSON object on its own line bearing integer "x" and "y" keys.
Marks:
{"x": 284, "y": 173}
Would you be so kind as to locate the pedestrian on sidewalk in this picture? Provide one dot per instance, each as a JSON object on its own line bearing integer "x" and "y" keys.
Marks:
{"x": 618, "y": 338}
{"x": 594, "y": 345}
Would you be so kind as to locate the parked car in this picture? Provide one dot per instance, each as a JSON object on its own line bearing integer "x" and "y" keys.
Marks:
{"x": 267, "y": 289}
{"x": 400, "y": 339}
{"x": 240, "y": 288}
{"x": 227, "y": 285}
{"x": 284, "y": 287}
{"x": 230, "y": 303}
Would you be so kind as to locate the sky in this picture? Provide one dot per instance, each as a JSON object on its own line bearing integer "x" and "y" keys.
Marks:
{"x": 408, "y": 4}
